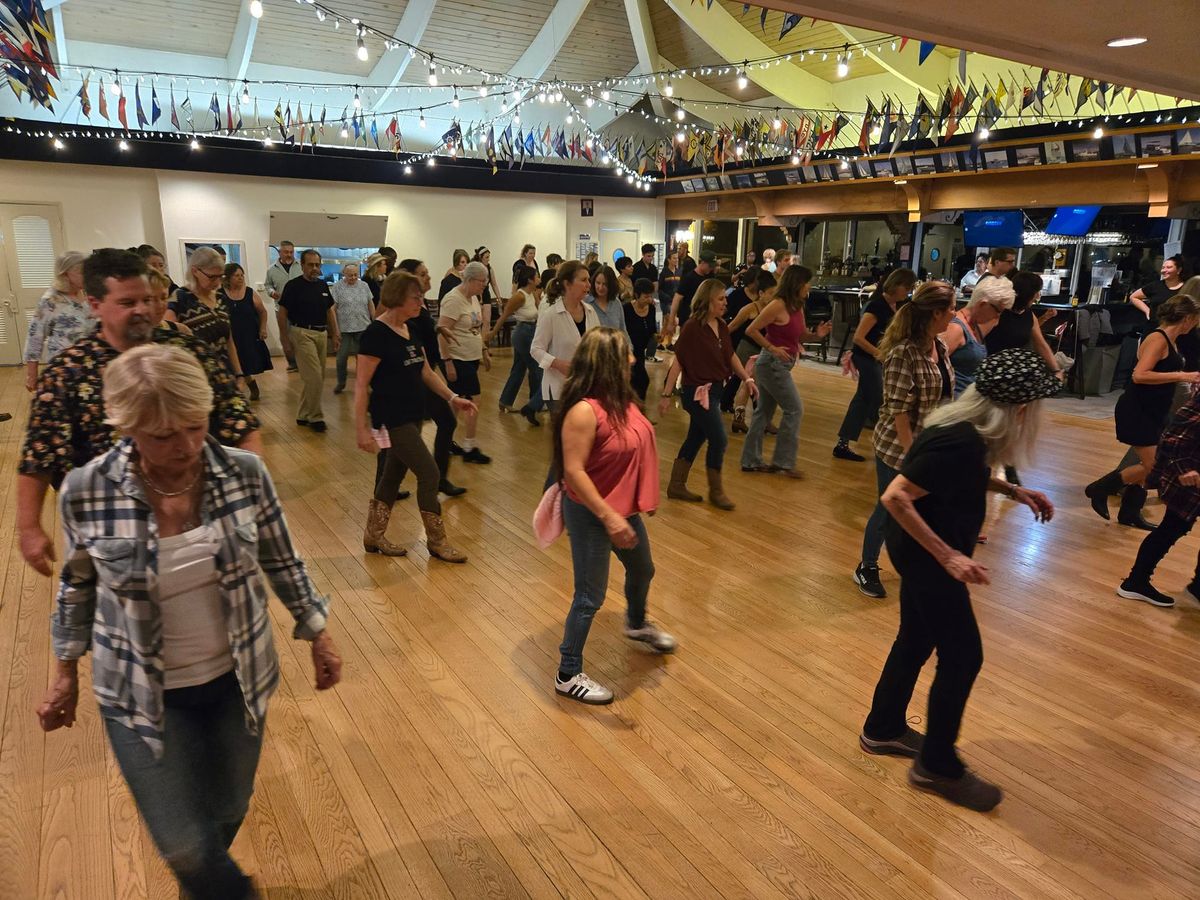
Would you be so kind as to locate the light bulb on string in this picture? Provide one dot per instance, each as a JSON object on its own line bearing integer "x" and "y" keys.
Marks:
{"x": 680, "y": 114}
{"x": 245, "y": 93}
{"x": 357, "y": 100}
{"x": 845, "y": 165}
{"x": 345, "y": 133}
{"x": 124, "y": 145}
{"x": 256, "y": 8}
{"x": 843, "y": 66}
{"x": 115, "y": 87}
{"x": 742, "y": 81}
{"x": 432, "y": 73}
{"x": 570, "y": 119}
{"x": 422, "y": 118}
{"x": 984, "y": 132}
{"x": 195, "y": 144}
{"x": 795, "y": 160}
{"x": 669, "y": 90}
{"x": 58, "y": 145}
{"x": 588, "y": 102}
{"x": 1098, "y": 133}
{"x": 680, "y": 137}
{"x": 454, "y": 102}
{"x": 431, "y": 161}
{"x": 408, "y": 170}
{"x": 362, "y": 46}
{"x": 483, "y": 92}
{"x": 605, "y": 95}
{"x": 778, "y": 123}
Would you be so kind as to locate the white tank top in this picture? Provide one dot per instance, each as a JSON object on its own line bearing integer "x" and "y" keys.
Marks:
{"x": 528, "y": 311}
{"x": 195, "y": 636}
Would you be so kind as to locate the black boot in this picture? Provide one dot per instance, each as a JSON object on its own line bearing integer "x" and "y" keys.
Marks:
{"x": 1131, "y": 508}
{"x": 1101, "y": 489}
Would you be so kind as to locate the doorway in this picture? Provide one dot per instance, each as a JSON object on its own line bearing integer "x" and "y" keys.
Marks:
{"x": 32, "y": 237}
{"x": 615, "y": 242}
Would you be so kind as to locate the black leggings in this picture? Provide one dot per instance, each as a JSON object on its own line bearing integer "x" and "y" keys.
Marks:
{"x": 935, "y": 614}
{"x": 1159, "y": 542}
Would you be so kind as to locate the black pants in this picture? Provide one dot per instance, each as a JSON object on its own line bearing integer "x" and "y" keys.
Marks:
{"x": 935, "y": 614}
{"x": 1158, "y": 544}
{"x": 868, "y": 396}
{"x": 442, "y": 415}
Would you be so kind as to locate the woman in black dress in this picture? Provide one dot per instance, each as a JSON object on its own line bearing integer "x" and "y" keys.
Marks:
{"x": 641, "y": 327}
{"x": 1142, "y": 412}
{"x": 248, "y": 321}
{"x": 199, "y": 308}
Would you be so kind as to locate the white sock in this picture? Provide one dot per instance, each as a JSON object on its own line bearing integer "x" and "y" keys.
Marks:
{"x": 469, "y": 444}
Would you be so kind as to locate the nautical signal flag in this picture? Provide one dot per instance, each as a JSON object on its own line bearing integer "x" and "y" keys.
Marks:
{"x": 85, "y": 103}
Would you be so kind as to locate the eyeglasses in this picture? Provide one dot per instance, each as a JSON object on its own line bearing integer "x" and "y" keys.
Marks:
{"x": 210, "y": 274}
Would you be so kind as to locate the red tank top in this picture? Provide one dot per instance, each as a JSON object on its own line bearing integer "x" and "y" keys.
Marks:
{"x": 787, "y": 336}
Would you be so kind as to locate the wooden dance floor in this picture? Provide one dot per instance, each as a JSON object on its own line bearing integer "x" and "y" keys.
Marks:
{"x": 444, "y": 765}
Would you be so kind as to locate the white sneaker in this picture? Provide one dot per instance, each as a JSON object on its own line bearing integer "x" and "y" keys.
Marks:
{"x": 584, "y": 690}
{"x": 651, "y": 634}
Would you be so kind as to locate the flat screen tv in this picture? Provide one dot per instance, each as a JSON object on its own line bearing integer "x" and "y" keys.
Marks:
{"x": 1073, "y": 221}
{"x": 996, "y": 228}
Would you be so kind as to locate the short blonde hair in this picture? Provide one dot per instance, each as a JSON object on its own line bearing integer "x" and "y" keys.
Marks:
{"x": 997, "y": 291}
{"x": 155, "y": 387}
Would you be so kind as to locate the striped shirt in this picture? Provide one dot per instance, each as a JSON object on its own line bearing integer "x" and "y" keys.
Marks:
{"x": 912, "y": 384}
{"x": 108, "y": 592}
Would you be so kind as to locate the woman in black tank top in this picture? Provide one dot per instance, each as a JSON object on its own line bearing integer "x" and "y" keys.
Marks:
{"x": 1142, "y": 412}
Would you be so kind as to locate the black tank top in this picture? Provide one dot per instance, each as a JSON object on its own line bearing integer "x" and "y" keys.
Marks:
{"x": 1011, "y": 331}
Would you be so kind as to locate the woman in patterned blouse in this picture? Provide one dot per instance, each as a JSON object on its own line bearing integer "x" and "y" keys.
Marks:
{"x": 62, "y": 317}
{"x": 199, "y": 308}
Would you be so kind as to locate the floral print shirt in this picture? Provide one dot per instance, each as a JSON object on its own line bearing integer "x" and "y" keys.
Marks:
{"x": 59, "y": 321}
{"x": 66, "y": 417}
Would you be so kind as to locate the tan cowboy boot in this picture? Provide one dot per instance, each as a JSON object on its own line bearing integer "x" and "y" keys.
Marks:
{"x": 716, "y": 493}
{"x": 435, "y": 539}
{"x": 678, "y": 489}
{"x": 378, "y": 514}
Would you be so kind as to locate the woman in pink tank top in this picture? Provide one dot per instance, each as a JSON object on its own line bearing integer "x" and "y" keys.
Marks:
{"x": 780, "y": 329}
{"x": 605, "y": 448}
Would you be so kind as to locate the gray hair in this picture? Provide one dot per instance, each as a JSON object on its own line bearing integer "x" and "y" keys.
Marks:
{"x": 202, "y": 258}
{"x": 155, "y": 387}
{"x": 62, "y": 266}
{"x": 997, "y": 291}
{"x": 475, "y": 270}
{"x": 1008, "y": 429}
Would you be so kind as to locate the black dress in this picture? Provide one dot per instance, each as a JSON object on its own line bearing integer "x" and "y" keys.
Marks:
{"x": 1012, "y": 331}
{"x": 1143, "y": 409}
{"x": 252, "y": 352}
{"x": 641, "y": 331}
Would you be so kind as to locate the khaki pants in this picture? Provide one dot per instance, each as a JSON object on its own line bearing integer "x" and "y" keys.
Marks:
{"x": 309, "y": 348}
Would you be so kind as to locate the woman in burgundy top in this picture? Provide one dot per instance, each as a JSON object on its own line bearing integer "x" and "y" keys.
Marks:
{"x": 704, "y": 354}
{"x": 606, "y": 450}
{"x": 779, "y": 330}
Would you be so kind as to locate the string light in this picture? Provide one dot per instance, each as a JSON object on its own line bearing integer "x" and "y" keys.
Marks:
{"x": 245, "y": 93}
{"x": 605, "y": 95}
{"x": 422, "y": 118}
{"x": 843, "y": 66}
{"x": 483, "y": 91}
{"x": 432, "y": 73}
{"x": 362, "y": 45}
{"x": 357, "y": 100}
{"x": 124, "y": 145}
{"x": 742, "y": 81}
{"x": 454, "y": 102}
{"x": 195, "y": 144}
{"x": 983, "y": 133}
{"x": 115, "y": 87}
{"x": 1098, "y": 133}
{"x": 58, "y": 145}
{"x": 669, "y": 90}
{"x": 680, "y": 114}
{"x": 256, "y": 8}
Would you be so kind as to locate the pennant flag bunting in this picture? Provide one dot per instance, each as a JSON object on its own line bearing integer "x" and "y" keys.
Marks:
{"x": 790, "y": 21}
{"x": 864, "y": 135}
{"x": 900, "y": 125}
{"x": 142, "y": 121}
{"x": 174, "y": 112}
{"x": 762, "y": 21}
{"x": 962, "y": 65}
{"x": 926, "y": 49}
{"x": 186, "y": 106}
{"x": 1086, "y": 89}
{"x": 121, "y": 111}
{"x": 103, "y": 101}
{"x": 85, "y": 103}
{"x": 491, "y": 148}
{"x": 155, "y": 109}
{"x": 214, "y": 107}
{"x": 375, "y": 132}
{"x": 903, "y": 44}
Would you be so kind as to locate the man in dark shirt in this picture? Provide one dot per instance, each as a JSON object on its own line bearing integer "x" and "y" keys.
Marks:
{"x": 681, "y": 303}
{"x": 307, "y": 319}
{"x": 645, "y": 268}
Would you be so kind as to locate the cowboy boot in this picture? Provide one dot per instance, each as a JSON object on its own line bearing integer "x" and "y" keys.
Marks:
{"x": 378, "y": 515}
{"x": 716, "y": 493}
{"x": 435, "y": 539}
{"x": 1101, "y": 489}
{"x": 1130, "y": 512}
{"x": 677, "y": 489}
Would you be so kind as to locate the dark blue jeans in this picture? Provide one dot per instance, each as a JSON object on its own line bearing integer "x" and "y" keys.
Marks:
{"x": 706, "y": 425}
{"x": 873, "y": 536}
{"x": 864, "y": 405}
{"x": 523, "y": 364}
{"x": 591, "y": 550}
{"x": 194, "y": 798}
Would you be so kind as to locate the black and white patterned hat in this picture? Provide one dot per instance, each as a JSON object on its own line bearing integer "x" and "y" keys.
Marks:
{"x": 1016, "y": 376}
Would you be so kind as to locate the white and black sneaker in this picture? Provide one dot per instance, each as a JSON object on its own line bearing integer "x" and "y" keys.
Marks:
{"x": 1144, "y": 591}
{"x": 651, "y": 634}
{"x": 867, "y": 579}
{"x": 583, "y": 689}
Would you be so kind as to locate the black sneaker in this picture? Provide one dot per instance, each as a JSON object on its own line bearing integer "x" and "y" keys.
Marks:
{"x": 475, "y": 455}
{"x": 908, "y": 744}
{"x": 867, "y": 579}
{"x": 450, "y": 489}
{"x": 967, "y": 790}
{"x": 318, "y": 427}
{"x": 339, "y": 388}
{"x": 843, "y": 451}
{"x": 455, "y": 449}
{"x": 303, "y": 423}
{"x": 1145, "y": 591}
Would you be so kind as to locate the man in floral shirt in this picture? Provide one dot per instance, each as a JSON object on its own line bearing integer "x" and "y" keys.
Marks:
{"x": 66, "y": 419}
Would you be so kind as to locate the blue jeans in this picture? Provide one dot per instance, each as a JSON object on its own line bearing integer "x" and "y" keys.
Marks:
{"x": 591, "y": 549}
{"x": 706, "y": 425}
{"x": 194, "y": 798}
{"x": 347, "y": 348}
{"x": 775, "y": 388}
{"x": 873, "y": 536}
{"x": 523, "y": 363}
{"x": 868, "y": 396}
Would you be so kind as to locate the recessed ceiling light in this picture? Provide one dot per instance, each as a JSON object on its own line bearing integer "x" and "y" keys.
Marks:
{"x": 1126, "y": 42}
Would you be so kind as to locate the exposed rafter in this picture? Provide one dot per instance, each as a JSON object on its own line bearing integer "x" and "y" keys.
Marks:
{"x": 237, "y": 60}
{"x": 392, "y": 66}
{"x": 60, "y": 34}
{"x": 930, "y": 77}
{"x": 548, "y": 43}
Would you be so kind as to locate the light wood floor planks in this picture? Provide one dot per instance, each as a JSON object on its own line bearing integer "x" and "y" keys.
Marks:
{"x": 445, "y": 767}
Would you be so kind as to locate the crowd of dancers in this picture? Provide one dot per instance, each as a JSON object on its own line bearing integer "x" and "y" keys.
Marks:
{"x": 142, "y": 419}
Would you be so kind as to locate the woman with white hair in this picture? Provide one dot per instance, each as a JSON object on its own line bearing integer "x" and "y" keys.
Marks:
{"x": 964, "y": 337}
{"x": 62, "y": 316}
{"x": 355, "y": 307}
{"x": 937, "y": 504}
{"x": 466, "y": 320}
{"x": 199, "y": 307}
{"x": 166, "y": 535}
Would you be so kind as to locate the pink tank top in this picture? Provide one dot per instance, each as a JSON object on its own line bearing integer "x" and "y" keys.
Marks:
{"x": 787, "y": 336}
{"x": 624, "y": 462}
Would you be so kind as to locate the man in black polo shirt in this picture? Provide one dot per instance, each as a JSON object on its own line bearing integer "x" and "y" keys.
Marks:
{"x": 681, "y": 303}
{"x": 307, "y": 319}
{"x": 645, "y": 268}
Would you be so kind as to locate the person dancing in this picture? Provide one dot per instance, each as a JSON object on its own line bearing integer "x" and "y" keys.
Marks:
{"x": 704, "y": 356}
{"x": 522, "y": 308}
{"x": 605, "y": 448}
{"x": 392, "y": 378}
{"x": 938, "y": 501}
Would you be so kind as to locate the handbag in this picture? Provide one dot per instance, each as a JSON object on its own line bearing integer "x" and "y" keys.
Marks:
{"x": 548, "y": 517}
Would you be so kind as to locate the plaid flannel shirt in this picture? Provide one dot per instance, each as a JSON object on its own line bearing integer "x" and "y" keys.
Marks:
{"x": 108, "y": 592}
{"x": 912, "y": 383}
{"x": 1179, "y": 452}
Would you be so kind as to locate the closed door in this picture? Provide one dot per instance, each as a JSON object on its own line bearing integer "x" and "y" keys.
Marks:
{"x": 616, "y": 242}
{"x": 32, "y": 239}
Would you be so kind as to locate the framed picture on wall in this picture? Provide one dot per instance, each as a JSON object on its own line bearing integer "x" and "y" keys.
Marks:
{"x": 949, "y": 161}
{"x": 904, "y": 165}
{"x": 924, "y": 165}
{"x": 687, "y": 186}
{"x": 698, "y": 184}
{"x": 1028, "y": 156}
{"x": 810, "y": 173}
{"x": 713, "y": 183}
{"x": 743, "y": 181}
{"x": 761, "y": 179}
{"x": 726, "y": 183}
{"x": 995, "y": 159}
{"x": 1085, "y": 151}
{"x": 1124, "y": 146}
{"x": 233, "y": 251}
{"x": 863, "y": 168}
{"x": 883, "y": 168}
{"x": 1155, "y": 144}
{"x": 792, "y": 176}
{"x": 1056, "y": 153}
{"x": 1188, "y": 140}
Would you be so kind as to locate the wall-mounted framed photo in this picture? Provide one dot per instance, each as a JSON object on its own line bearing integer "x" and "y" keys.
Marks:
{"x": 1028, "y": 156}
{"x": 1156, "y": 144}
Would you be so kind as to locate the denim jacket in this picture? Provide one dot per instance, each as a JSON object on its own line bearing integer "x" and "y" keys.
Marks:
{"x": 108, "y": 593}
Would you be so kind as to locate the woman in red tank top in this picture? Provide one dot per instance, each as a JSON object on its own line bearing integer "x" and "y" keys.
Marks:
{"x": 780, "y": 329}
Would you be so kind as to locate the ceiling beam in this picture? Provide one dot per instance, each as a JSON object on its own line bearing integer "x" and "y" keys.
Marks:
{"x": 392, "y": 65}
{"x": 642, "y": 31}
{"x": 60, "y": 36}
{"x": 237, "y": 60}
{"x": 545, "y": 47}
{"x": 930, "y": 77}
{"x": 732, "y": 41}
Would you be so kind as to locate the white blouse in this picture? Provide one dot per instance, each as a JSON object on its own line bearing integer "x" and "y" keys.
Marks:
{"x": 556, "y": 337}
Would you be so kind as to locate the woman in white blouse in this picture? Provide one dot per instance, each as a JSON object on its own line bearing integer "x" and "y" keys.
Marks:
{"x": 562, "y": 320}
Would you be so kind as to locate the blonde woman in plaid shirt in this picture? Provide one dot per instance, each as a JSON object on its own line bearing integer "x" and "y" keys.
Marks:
{"x": 165, "y": 535}
{"x": 917, "y": 377}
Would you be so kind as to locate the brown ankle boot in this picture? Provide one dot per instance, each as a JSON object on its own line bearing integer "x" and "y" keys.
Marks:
{"x": 716, "y": 493}
{"x": 378, "y": 514}
{"x": 435, "y": 539}
{"x": 678, "y": 489}
{"x": 739, "y": 421}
